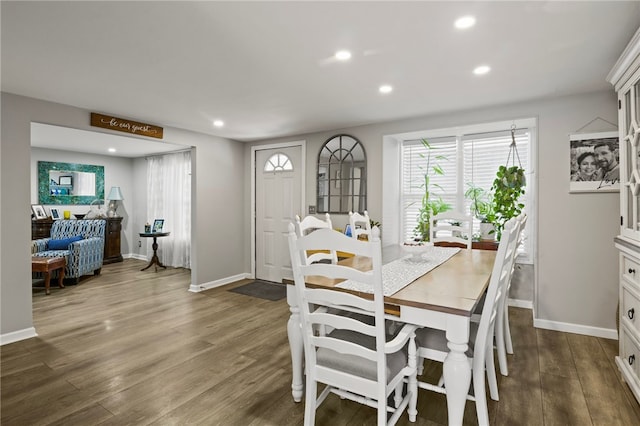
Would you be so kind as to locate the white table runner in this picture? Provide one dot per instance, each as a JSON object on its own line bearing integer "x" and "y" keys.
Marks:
{"x": 402, "y": 272}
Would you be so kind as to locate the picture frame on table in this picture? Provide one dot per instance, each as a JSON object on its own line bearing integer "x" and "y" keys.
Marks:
{"x": 56, "y": 214}
{"x": 65, "y": 180}
{"x": 594, "y": 162}
{"x": 38, "y": 211}
{"x": 157, "y": 225}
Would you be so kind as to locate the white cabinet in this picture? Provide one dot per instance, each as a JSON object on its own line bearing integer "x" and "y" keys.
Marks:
{"x": 628, "y": 359}
{"x": 625, "y": 77}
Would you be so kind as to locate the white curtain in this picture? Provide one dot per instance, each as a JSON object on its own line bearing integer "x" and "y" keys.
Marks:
{"x": 169, "y": 198}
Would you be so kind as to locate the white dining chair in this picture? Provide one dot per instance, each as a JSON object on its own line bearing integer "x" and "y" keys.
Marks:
{"x": 451, "y": 227}
{"x": 360, "y": 224}
{"x": 310, "y": 224}
{"x": 355, "y": 360}
{"x": 522, "y": 219}
{"x": 502, "y": 321}
{"x": 502, "y": 332}
{"x": 432, "y": 344}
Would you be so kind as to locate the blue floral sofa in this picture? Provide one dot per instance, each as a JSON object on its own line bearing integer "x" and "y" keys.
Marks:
{"x": 80, "y": 241}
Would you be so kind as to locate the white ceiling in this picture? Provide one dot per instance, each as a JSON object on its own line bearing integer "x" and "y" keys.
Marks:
{"x": 265, "y": 68}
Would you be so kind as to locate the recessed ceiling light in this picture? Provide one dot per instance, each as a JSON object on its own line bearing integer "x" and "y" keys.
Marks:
{"x": 343, "y": 55}
{"x": 218, "y": 123}
{"x": 482, "y": 69}
{"x": 112, "y": 150}
{"x": 465, "y": 22}
{"x": 385, "y": 88}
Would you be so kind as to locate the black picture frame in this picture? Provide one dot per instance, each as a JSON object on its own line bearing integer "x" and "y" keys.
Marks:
{"x": 55, "y": 213}
{"x": 65, "y": 180}
{"x": 583, "y": 145}
{"x": 157, "y": 225}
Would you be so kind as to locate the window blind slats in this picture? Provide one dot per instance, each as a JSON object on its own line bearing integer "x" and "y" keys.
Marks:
{"x": 481, "y": 155}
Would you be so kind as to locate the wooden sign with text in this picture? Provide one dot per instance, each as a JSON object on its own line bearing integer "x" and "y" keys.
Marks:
{"x": 128, "y": 126}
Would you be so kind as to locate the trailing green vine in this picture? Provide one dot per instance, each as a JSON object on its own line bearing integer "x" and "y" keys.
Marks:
{"x": 508, "y": 187}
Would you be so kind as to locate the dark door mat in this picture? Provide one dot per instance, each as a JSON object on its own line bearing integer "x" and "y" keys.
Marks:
{"x": 263, "y": 290}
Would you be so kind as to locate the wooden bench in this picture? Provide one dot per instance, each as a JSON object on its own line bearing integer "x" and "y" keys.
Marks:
{"x": 47, "y": 265}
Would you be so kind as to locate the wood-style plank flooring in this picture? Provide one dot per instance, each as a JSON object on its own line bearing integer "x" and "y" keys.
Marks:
{"x": 136, "y": 348}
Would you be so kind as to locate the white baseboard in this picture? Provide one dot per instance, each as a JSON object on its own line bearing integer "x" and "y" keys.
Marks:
{"x": 16, "y": 336}
{"x": 576, "y": 328}
{"x": 517, "y": 303}
{"x": 204, "y": 286}
{"x": 218, "y": 283}
{"x": 134, "y": 256}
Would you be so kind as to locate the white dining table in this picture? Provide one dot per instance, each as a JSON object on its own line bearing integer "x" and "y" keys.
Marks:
{"x": 443, "y": 298}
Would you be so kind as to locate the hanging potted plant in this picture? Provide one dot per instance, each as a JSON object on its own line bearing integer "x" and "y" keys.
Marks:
{"x": 507, "y": 188}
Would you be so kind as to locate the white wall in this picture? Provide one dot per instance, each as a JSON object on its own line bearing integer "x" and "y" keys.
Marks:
{"x": 218, "y": 237}
{"x": 576, "y": 262}
{"x": 139, "y": 218}
{"x": 118, "y": 171}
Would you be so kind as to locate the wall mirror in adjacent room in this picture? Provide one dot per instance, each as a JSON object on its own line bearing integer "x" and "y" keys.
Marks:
{"x": 342, "y": 176}
{"x": 69, "y": 183}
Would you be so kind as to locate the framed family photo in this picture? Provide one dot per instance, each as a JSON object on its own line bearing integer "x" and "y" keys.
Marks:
{"x": 38, "y": 211}
{"x": 157, "y": 225}
{"x": 594, "y": 162}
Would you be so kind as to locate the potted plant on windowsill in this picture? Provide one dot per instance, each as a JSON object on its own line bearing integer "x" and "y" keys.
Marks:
{"x": 482, "y": 209}
{"x": 431, "y": 204}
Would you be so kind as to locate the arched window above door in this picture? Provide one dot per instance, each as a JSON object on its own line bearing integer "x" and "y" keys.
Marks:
{"x": 278, "y": 163}
{"x": 342, "y": 176}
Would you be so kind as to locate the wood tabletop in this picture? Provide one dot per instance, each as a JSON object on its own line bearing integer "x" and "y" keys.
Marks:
{"x": 154, "y": 234}
{"x": 455, "y": 287}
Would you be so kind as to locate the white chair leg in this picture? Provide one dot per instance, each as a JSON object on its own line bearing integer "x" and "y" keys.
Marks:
{"x": 420, "y": 366}
{"x": 500, "y": 346}
{"x": 397, "y": 394}
{"x": 310, "y": 403}
{"x": 491, "y": 374}
{"x": 382, "y": 414}
{"x": 481, "y": 397}
{"x": 507, "y": 331}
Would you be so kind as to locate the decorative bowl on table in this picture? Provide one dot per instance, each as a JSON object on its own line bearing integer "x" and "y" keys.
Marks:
{"x": 416, "y": 250}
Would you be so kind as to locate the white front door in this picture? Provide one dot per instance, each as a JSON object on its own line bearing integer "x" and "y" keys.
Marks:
{"x": 278, "y": 201}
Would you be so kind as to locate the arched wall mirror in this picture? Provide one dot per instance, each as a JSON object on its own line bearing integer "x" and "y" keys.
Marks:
{"x": 342, "y": 176}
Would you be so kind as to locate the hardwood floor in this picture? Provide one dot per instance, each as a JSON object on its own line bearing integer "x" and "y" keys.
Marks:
{"x": 132, "y": 347}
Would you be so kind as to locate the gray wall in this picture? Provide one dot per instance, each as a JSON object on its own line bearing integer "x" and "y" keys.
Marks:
{"x": 117, "y": 172}
{"x": 219, "y": 234}
{"x": 576, "y": 262}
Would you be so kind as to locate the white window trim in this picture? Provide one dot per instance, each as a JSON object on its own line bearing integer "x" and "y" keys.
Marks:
{"x": 274, "y": 161}
{"x": 391, "y": 177}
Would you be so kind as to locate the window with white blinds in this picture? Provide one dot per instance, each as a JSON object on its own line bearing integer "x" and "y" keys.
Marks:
{"x": 465, "y": 158}
{"x": 416, "y": 157}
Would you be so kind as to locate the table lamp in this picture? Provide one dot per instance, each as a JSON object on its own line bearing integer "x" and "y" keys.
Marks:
{"x": 115, "y": 195}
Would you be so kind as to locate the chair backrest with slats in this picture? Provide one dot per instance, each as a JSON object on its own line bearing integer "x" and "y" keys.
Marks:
{"x": 360, "y": 224}
{"x": 520, "y": 223}
{"x": 310, "y": 224}
{"x": 522, "y": 218}
{"x": 515, "y": 226}
{"x": 322, "y": 307}
{"x": 500, "y": 276}
{"x": 452, "y": 227}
